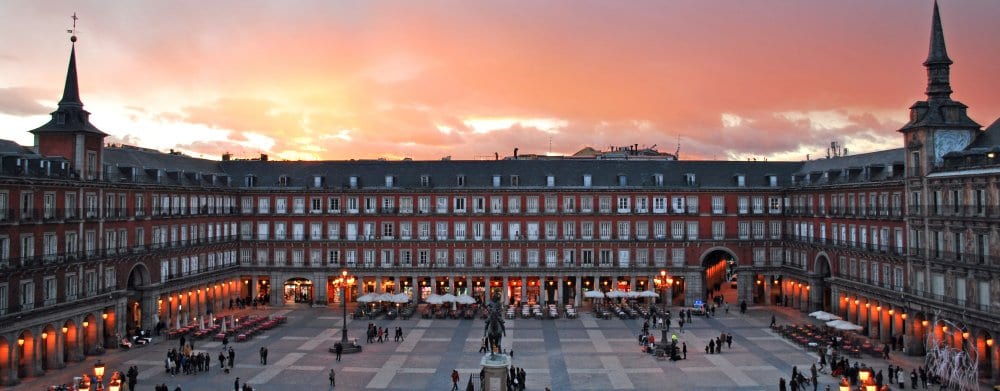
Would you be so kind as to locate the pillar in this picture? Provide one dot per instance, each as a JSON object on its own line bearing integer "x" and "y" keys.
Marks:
{"x": 524, "y": 290}
{"x": 505, "y": 298}
{"x": 767, "y": 291}
{"x": 320, "y": 292}
{"x": 579, "y": 290}
{"x": 559, "y": 291}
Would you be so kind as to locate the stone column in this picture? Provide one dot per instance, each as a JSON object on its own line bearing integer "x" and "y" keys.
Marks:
{"x": 695, "y": 288}
{"x": 578, "y": 283}
{"x": 504, "y": 297}
{"x": 559, "y": 291}
{"x": 320, "y": 292}
{"x": 10, "y": 378}
{"x": 524, "y": 289}
{"x": 632, "y": 285}
{"x": 494, "y": 372}
{"x": 766, "y": 300}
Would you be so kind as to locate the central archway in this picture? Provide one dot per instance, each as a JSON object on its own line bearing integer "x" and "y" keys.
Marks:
{"x": 823, "y": 272}
{"x": 138, "y": 277}
{"x": 716, "y": 266}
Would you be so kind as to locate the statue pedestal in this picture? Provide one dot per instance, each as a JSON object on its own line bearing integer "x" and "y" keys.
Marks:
{"x": 495, "y": 372}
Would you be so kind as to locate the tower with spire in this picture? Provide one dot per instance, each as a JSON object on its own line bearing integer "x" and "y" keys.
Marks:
{"x": 938, "y": 125}
{"x": 69, "y": 132}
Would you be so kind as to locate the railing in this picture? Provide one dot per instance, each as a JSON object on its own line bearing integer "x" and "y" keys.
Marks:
{"x": 44, "y": 260}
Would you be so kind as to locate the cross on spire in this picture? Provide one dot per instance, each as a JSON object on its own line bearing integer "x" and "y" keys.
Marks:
{"x": 72, "y": 31}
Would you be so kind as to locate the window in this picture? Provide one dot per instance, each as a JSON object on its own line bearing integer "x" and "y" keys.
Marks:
{"x": 27, "y": 295}
{"x": 460, "y": 180}
{"x": 515, "y": 180}
{"x": 718, "y": 230}
{"x": 624, "y": 204}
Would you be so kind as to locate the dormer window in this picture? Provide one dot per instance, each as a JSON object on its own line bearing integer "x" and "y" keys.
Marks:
{"x": 60, "y": 118}
{"x": 772, "y": 180}
{"x": 515, "y": 180}
{"x": 587, "y": 180}
{"x": 248, "y": 181}
{"x": 793, "y": 179}
{"x": 622, "y": 180}
{"x": 496, "y": 181}
{"x": 689, "y": 179}
{"x": 389, "y": 181}
{"x": 658, "y": 179}
{"x": 317, "y": 181}
{"x": 550, "y": 180}
{"x": 741, "y": 180}
{"x": 460, "y": 180}
{"x": 425, "y": 180}
{"x": 283, "y": 181}
{"x": 352, "y": 182}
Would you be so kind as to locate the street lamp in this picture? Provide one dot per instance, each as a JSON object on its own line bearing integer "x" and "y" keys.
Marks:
{"x": 115, "y": 383}
{"x": 844, "y": 384}
{"x": 346, "y": 346}
{"x": 99, "y": 374}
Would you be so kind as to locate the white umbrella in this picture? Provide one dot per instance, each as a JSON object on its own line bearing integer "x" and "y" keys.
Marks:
{"x": 434, "y": 299}
{"x": 367, "y": 298}
{"x": 400, "y": 298}
{"x": 632, "y": 294}
{"x": 616, "y": 294}
{"x": 448, "y": 297}
{"x": 823, "y": 315}
{"x": 593, "y": 294}
{"x": 464, "y": 299}
{"x": 843, "y": 325}
{"x": 385, "y": 297}
{"x": 648, "y": 294}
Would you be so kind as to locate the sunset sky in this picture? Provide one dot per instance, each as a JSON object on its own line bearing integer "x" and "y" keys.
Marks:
{"x": 306, "y": 80}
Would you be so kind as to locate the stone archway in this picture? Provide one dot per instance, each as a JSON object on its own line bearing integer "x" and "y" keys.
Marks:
{"x": 89, "y": 334}
{"x": 138, "y": 277}
{"x": 25, "y": 354}
{"x": 714, "y": 274}
{"x": 48, "y": 348}
{"x": 70, "y": 342}
{"x": 820, "y": 293}
{"x": 984, "y": 345}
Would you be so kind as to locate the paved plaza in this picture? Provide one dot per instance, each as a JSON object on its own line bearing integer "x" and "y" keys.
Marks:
{"x": 564, "y": 354}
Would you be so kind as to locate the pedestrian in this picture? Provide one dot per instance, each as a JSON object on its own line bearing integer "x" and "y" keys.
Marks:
{"x": 781, "y": 385}
{"x": 338, "y": 348}
{"x": 236, "y": 384}
{"x": 265, "y": 356}
{"x": 454, "y": 380}
{"x": 773, "y": 321}
{"x": 262, "y": 355}
{"x": 743, "y": 306}
{"x": 684, "y": 350}
{"x": 333, "y": 378}
{"x": 729, "y": 341}
{"x": 232, "y": 356}
{"x": 913, "y": 379}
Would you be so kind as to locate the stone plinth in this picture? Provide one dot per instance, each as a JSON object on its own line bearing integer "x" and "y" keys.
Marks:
{"x": 495, "y": 372}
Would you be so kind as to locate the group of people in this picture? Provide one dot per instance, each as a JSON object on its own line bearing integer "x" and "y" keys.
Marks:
{"x": 715, "y": 345}
{"x": 186, "y": 360}
{"x": 242, "y": 303}
{"x": 381, "y": 334}
{"x": 515, "y": 380}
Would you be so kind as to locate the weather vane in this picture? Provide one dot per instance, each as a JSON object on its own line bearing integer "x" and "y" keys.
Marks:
{"x": 72, "y": 31}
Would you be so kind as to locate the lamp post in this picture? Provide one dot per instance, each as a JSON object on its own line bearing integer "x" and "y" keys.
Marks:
{"x": 346, "y": 346}
{"x": 99, "y": 374}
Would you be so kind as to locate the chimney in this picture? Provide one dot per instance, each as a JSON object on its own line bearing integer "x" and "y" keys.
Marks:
{"x": 227, "y": 157}
{"x": 263, "y": 157}
{"x": 496, "y": 156}
{"x": 515, "y": 153}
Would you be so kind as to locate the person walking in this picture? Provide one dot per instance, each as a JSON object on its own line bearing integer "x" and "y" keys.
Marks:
{"x": 338, "y": 349}
{"x": 262, "y": 355}
{"x": 774, "y": 321}
{"x": 684, "y": 349}
{"x": 265, "y": 356}
{"x": 333, "y": 378}
{"x": 454, "y": 380}
{"x": 236, "y": 384}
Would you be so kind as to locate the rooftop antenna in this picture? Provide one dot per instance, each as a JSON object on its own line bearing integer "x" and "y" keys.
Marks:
{"x": 550, "y": 145}
{"x": 677, "y": 154}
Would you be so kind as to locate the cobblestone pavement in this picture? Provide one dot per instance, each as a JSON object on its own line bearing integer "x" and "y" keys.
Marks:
{"x": 563, "y": 354}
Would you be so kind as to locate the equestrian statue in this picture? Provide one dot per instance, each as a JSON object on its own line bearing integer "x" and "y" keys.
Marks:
{"x": 494, "y": 330}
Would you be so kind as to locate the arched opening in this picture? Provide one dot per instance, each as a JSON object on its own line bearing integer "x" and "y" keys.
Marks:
{"x": 25, "y": 354}
{"x": 138, "y": 277}
{"x": 984, "y": 350}
{"x": 717, "y": 265}
{"x": 821, "y": 289}
{"x": 298, "y": 290}
{"x": 4, "y": 361}
{"x": 69, "y": 341}
{"x": 48, "y": 348}
{"x": 89, "y": 334}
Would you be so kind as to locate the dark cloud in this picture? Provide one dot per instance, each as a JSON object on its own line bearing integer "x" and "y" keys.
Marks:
{"x": 22, "y": 101}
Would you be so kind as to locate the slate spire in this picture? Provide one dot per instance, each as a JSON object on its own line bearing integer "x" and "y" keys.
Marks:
{"x": 938, "y": 64}
{"x": 71, "y": 92}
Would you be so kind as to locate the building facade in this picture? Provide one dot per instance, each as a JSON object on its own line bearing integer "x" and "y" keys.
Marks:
{"x": 97, "y": 241}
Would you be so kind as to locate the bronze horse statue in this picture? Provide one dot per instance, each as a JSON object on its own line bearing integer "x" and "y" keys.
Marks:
{"x": 494, "y": 330}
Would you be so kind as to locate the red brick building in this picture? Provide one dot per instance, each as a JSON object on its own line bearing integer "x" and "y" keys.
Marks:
{"x": 98, "y": 241}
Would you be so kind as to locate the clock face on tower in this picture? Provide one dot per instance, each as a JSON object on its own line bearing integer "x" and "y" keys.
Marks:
{"x": 949, "y": 141}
